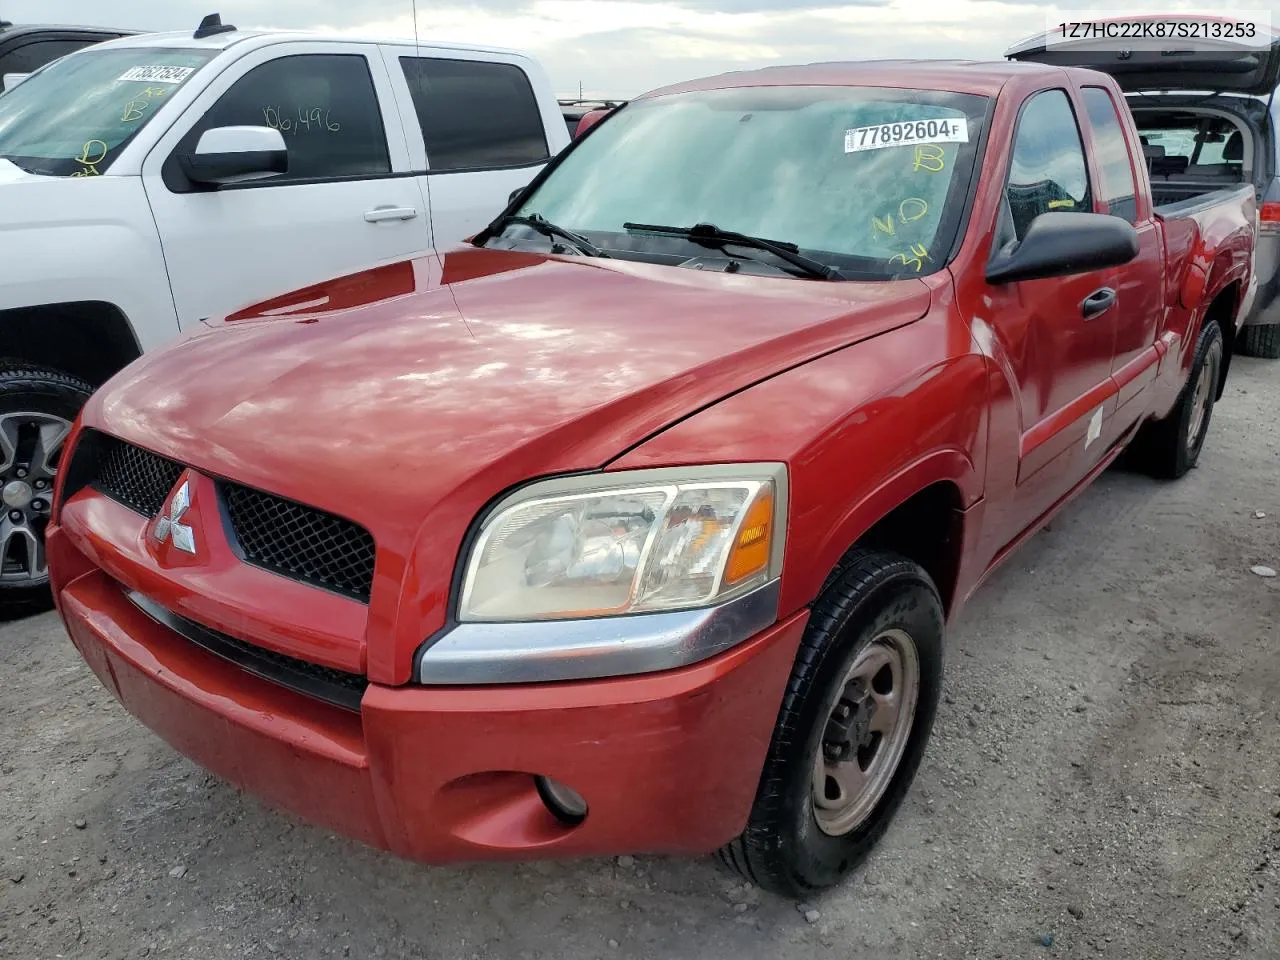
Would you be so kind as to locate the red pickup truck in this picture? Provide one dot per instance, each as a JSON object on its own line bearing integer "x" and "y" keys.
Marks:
{"x": 633, "y": 524}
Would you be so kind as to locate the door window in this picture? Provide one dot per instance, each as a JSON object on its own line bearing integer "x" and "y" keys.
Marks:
{"x": 324, "y": 105}
{"x": 475, "y": 114}
{"x": 1117, "y": 187}
{"x": 1047, "y": 171}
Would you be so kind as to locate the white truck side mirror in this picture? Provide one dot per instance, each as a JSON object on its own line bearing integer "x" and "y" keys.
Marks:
{"x": 226, "y": 155}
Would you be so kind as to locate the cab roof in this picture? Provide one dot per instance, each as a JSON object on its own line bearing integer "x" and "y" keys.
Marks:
{"x": 262, "y": 38}
{"x": 981, "y": 77}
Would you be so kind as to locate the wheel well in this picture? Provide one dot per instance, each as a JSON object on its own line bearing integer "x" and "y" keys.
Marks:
{"x": 1222, "y": 311}
{"x": 927, "y": 529}
{"x": 89, "y": 340}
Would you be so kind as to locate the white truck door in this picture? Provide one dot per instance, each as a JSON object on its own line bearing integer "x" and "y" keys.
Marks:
{"x": 348, "y": 201}
{"x": 486, "y": 125}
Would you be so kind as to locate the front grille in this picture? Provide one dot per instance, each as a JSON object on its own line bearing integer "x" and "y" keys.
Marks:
{"x": 288, "y": 538}
{"x": 301, "y": 542}
{"x": 135, "y": 477}
{"x": 337, "y": 687}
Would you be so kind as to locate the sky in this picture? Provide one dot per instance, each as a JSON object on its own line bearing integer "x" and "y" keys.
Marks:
{"x": 621, "y": 48}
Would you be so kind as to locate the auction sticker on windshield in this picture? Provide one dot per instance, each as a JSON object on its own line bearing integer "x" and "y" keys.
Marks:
{"x": 907, "y": 133}
{"x": 158, "y": 74}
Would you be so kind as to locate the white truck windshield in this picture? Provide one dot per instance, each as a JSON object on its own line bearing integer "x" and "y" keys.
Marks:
{"x": 71, "y": 118}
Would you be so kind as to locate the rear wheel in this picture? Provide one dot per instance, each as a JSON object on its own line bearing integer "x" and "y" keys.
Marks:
{"x": 852, "y": 729}
{"x": 37, "y": 408}
{"x": 1261, "y": 340}
{"x": 1170, "y": 447}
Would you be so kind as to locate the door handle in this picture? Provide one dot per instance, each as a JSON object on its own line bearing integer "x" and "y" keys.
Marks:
{"x": 378, "y": 214}
{"x": 1097, "y": 303}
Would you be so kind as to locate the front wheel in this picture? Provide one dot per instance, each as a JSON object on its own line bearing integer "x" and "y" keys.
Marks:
{"x": 851, "y": 731}
{"x": 37, "y": 408}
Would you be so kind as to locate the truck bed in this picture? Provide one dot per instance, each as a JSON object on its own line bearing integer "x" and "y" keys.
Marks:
{"x": 1185, "y": 199}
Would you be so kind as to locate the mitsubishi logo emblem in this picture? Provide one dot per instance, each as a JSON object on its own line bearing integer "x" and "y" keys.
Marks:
{"x": 170, "y": 524}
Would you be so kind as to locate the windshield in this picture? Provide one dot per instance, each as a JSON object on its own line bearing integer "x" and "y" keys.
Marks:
{"x": 71, "y": 118}
{"x": 869, "y": 180}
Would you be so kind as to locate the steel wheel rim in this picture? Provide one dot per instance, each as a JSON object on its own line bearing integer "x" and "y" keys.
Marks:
{"x": 883, "y": 687}
{"x": 1200, "y": 399}
{"x": 30, "y": 447}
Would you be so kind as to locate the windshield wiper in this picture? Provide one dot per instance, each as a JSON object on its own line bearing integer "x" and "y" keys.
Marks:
{"x": 545, "y": 227}
{"x": 708, "y": 234}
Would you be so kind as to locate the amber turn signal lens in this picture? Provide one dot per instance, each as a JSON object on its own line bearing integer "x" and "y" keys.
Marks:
{"x": 750, "y": 552}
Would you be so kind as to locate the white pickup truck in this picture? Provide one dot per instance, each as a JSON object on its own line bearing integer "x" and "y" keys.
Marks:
{"x": 151, "y": 181}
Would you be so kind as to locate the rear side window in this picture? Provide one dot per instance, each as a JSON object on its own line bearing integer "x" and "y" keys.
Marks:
{"x": 325, "y": 106}
{"x": 1047, "y": 172}
{"x": 475, "y": 115}
{"x": 1117, "y": 187}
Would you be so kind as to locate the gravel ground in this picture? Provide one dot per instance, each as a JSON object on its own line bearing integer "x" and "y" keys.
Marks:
{"x": 1104, "y": 772}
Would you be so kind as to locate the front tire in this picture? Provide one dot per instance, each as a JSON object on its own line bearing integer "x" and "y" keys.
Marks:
{"x": 37, "y": 408}
{"x": 852, "y": 729}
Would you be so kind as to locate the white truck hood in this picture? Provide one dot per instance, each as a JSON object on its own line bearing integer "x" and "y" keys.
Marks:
{"x": 12, "y": 173}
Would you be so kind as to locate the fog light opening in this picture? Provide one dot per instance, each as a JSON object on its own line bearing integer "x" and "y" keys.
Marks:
{"x": 565, "y": 803}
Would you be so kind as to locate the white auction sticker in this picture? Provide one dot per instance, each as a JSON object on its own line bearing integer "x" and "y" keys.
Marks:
{"x": 907, "y": 133}
{"x": 158, "y": 74}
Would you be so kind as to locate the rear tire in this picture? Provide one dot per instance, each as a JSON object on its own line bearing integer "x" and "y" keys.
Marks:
{"x": 37, "y": 409}
{"x": 1261, "y": 340}
{"x": 880, "y": 609}
{"x": 1170, "y": 447}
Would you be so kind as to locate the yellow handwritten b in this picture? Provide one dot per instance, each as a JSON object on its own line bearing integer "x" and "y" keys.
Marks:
{"x": 133, "y": 110}
{"x": 929, "y": 156}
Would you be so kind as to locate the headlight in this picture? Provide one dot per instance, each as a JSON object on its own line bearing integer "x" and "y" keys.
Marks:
{"x": 627, "y": 543}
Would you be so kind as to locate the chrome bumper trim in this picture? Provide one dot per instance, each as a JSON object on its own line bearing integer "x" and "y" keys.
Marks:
{"x": 541, "y": 651}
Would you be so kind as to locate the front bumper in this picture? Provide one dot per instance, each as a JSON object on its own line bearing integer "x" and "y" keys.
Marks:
{"x": 667, "y": 762}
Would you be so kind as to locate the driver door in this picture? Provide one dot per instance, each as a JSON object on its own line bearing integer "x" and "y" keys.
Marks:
{"x": 1059, "y": 334}
{"x": 347, "y": 202}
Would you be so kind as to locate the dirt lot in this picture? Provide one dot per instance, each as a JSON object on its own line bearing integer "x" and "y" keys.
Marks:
{"x": 1105, "y": 772}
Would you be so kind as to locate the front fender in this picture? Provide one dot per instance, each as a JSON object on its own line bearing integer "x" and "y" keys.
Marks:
{"x": 861, "y": 431}
{"x": 85, "y": 239}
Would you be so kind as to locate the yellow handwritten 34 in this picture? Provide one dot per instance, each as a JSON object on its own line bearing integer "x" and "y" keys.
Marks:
{"x": 918, "y": 255}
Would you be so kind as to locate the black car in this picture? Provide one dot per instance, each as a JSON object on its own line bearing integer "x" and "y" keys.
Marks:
{"x": 24, "y": 49}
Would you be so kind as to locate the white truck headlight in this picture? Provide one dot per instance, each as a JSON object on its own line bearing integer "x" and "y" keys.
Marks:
{"x": 635, "y": 542}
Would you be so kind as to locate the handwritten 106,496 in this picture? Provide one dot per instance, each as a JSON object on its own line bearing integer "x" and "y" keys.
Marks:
{"x": 310, "y": 119}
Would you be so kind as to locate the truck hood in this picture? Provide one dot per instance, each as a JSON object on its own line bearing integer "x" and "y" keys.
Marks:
{"x": 441, "y": 382}
{"x": 11, "y": 174}
{"x": 1162, "y": 64}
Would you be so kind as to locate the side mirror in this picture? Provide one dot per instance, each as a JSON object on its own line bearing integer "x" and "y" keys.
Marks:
{"x": 1059, "y": 244}
{"x": 237, "y": 154}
